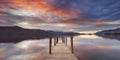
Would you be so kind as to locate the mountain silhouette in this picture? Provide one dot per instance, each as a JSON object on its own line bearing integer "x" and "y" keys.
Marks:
{"x": 17, "y": 34}
{"x": 112, "y": 33}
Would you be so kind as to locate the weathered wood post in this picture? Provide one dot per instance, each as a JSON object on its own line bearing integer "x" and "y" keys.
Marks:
{"x": 55, "y": 41}
{"x": 50, "y": 45}
{"x": 63, "y": 40}
{"x": 72, "y": 49}
{"x": 66, "y": 40}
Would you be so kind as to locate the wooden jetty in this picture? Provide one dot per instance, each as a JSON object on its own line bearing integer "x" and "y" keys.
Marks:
{"x": 60, "y": 51}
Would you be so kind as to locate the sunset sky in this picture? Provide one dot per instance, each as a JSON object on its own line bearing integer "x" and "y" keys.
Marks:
{"x": 61, "y": 15}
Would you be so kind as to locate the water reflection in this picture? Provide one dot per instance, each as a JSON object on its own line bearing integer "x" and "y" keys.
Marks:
{"x": 86, "y": 47}
{"x": 25, "y": 50}
{"x": 89, "y": 36}
{"x": 31, "y": 49}
{"x": 110, "y": 36}
{"x": 89, "y": 47}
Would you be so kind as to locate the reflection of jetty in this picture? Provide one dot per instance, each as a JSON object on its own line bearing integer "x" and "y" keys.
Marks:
{"x": 60, "y": 51}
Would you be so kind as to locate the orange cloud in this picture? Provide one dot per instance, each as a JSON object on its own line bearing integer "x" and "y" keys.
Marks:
{"x": 75, "y": 22}
{"x": 61, "y": 13}
{"x": 2, "y": 14}
{"x": 45, "y": 10}
{"x": 42, "y": 5}
{"x": 95, "y": 22}
{"x": 65, "y": 14}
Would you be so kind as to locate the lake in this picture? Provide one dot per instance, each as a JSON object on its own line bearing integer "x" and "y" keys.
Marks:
{"x": 86, "y": 47}
{"x": 92, "y": 47}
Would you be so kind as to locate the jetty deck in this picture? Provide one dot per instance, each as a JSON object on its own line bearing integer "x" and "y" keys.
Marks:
{"x": 61, "y": 52}
{"x": 58, "y": 50}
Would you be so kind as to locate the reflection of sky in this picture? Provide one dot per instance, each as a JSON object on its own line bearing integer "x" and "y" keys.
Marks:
{"x": 74, "y": 15}
{"x": 88, "y": 36}
{"x": 86, "y": 48}
{"x": 89, "y": 48}
{"x": 25, "y": 50}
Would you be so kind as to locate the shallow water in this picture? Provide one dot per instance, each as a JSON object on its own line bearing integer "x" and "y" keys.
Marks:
{"x": 86, "y": 47}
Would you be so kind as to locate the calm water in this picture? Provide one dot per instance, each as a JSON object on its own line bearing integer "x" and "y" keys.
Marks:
{"x": 91, "y": 47}
{"x": 86, "y": 47}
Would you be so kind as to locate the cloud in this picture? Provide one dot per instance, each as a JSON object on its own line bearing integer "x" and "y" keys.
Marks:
{"x": 71, "y": 13}
{"x": 96, "y": 27}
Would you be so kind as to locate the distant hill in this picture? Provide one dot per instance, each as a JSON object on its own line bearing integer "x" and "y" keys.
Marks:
{"x": 112, "y": 33}
{"x": 17, "y": 34}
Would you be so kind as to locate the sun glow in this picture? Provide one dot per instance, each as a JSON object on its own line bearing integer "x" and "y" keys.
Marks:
{"x": 88, "y": 36}
{"x": 88, "y": 31}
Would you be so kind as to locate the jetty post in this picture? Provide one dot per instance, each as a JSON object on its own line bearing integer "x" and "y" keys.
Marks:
{"x": 55, "y": 41}
{"x": 71, "y": 39}
{"x": 50, "y": 45}
{"x": 63, "y": 39}
{"x": 66, "y": 40}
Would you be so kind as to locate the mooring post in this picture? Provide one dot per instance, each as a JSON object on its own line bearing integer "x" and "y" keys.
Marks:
{"x": 66, "y": 40}
{"x": 72, "y": 49}
{"x": 50, "y": 45}
{"x": 63, "y": 40}
{"x": 55, "y": 41}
